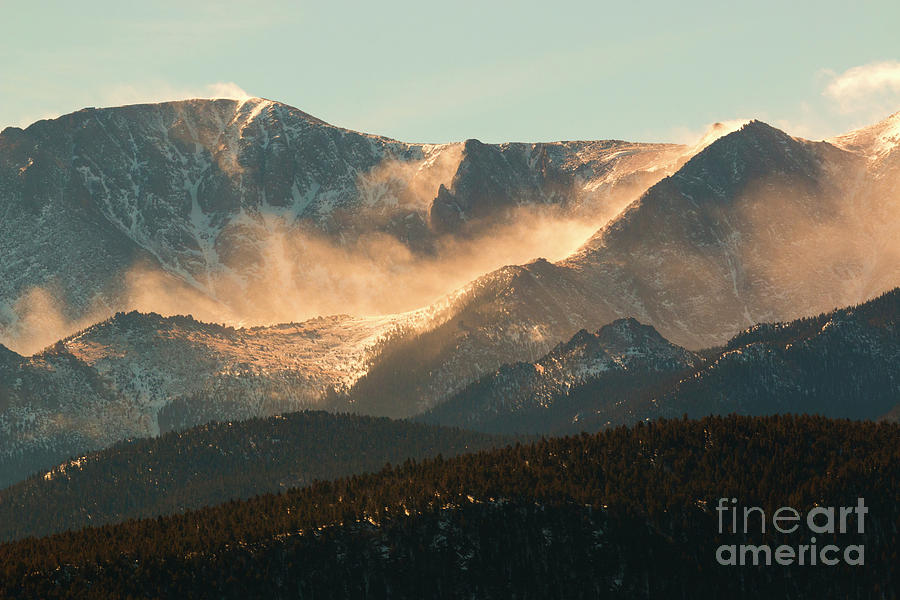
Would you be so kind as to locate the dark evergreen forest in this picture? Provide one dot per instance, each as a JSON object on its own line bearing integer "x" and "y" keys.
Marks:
{"x": 628, "y": 512}
{"x": 218, "y": 462}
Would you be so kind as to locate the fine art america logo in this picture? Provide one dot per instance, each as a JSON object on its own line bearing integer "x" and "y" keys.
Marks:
{"x": 821, "y": 520}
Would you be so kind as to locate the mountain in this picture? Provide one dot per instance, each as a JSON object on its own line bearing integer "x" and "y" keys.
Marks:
{"x": 757, "y": 227}
{"x": 184, "y": 184}
{"x": 586, "y": 176}
{"x": 876, "y": 142}
{"x": 139, "y": 375}
{"x": 710, "y": 267}
{"x": 845, "y": 364}
{"x": 230, "y": 202}
{"x": 619, "y": 362}
{"x": 218, "y": 462}
{"x": 842, "y": 364}
{"x": 625, "y": 513}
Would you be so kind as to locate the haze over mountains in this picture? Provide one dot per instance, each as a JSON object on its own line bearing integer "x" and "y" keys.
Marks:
{"x": 842, "y": 364}
{"x": 250, "y": 212}
{"x": 255, "y": 212}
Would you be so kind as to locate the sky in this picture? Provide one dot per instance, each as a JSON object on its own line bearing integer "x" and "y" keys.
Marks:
{"x": 497, "y": 71}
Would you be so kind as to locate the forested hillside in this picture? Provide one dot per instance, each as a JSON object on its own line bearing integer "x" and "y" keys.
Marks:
{"x": 844, "y": 363}
{"x": 215, "y": 463}
{"x": 630, "y": 511}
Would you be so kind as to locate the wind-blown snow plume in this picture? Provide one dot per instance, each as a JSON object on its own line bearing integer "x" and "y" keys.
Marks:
{"x": 287, "y": 275}
{"x": 840, "y": 249}
{"x": 292, "y": 276}
{"x": 39, "y": 317}
{"x": 159, "y": 91}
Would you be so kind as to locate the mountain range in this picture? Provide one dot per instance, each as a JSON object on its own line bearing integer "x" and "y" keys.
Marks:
{"x": 218, "y": 197}
{"x": 842, "y": 364}
{"x": 251, "y": 211}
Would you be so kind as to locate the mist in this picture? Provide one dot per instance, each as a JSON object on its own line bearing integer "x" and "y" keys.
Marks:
{"x": 266, "y": 267}
{"x": 294, "y": 276}
{"x": 832, "y": 250}
{"x": 291, "y": 275}
{"x": 38, "y": 318}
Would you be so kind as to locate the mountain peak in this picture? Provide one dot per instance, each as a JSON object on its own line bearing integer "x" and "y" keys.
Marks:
{"x": 756, "y": 129}
{"x": 219, "y": 109}
{"x": 872, "y": 141}
{"x": 621, "y": 336}
{"x": 753, "y": 150}
{"x": 714, "y": 132}
{"x": 627, "y": 331}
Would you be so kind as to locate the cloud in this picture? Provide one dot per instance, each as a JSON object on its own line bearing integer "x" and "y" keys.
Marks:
{"x": 865, "y": 87}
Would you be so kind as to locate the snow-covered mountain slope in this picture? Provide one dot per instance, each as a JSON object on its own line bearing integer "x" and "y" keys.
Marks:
{"x": 878, "y": 214}
{"x": 535, "y": 397}
{"x": 585, "y": 177}
{"x": 759, "y": 226}
{"x": 224, "y": 195}
{"x": 137, "y": 375}
{"x": 750, "y": 230}
{"x": 873, "y": 141}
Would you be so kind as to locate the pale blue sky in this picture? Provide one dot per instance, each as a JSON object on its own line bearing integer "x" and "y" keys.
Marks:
{"x": 423, "y": 71}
